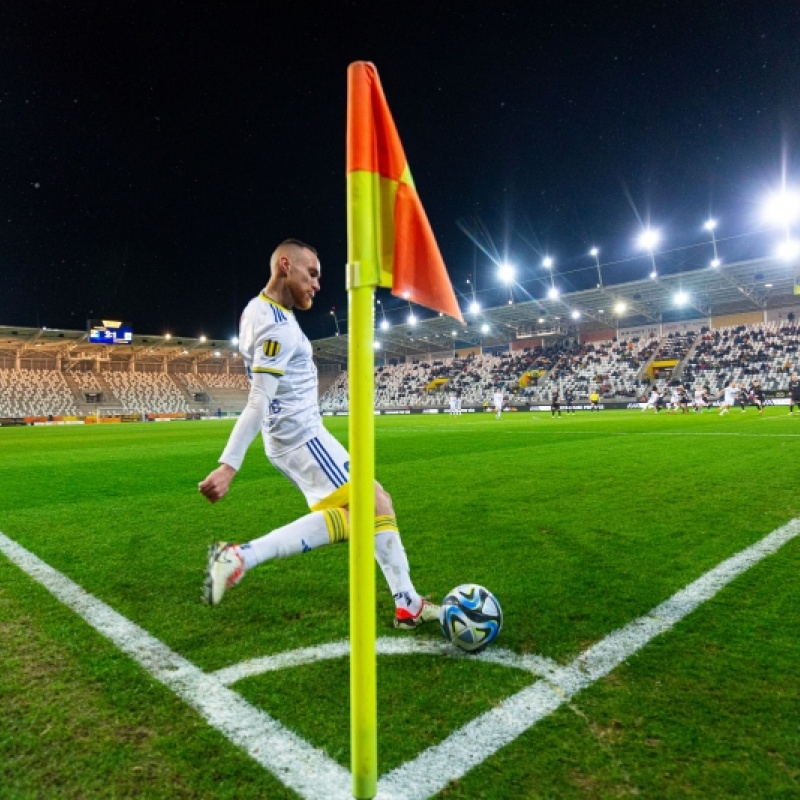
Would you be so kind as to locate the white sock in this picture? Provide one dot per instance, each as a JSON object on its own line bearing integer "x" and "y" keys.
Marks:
{"x": 391, "y": 557}
{"x": 307, "y": 533}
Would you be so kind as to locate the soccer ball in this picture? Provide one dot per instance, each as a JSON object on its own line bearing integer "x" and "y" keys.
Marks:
{"x": 470, "y": 617}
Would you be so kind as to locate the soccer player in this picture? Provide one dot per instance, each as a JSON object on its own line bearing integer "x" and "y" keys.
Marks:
{"x": 569, "y": 396}
{"x": 594, "y": 399}
{"x": 674, "y": 401}
{"x": 282, "y": 404}
{"x": 497, "y": 402}
{"x": 453, "y": 404}
{"x": 699, "y": 399}
{"x": 794, "y": 393}
{"x": 683, "y": 400}
{"x": 758, "y": 396}
{"x": 652, "y": 401}
{"x": 458, "y": 405}
{"x": 555, "y": 403}
{"x": 729, "y": 399}
{"x": 742, "y": 398}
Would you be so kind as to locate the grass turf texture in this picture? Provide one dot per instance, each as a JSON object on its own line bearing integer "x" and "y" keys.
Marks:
{"x": 578, "y": 524}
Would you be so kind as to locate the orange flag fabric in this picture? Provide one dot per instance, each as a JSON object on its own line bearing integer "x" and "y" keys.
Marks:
{"x": 388, "y": 229}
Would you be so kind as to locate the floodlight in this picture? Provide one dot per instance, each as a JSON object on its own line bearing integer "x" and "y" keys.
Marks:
{"x": 384, "y": 324}
{"x": 788, "y": 250}
{"x": 648, "y": 239}
{"x": 475, "y": 307}
{"x": 782, "y": 208}
{"x": 541, "y": 320}
{"x": 484, "y": 328}
{"x": 715, "y": 262}
{"x": 620, "y": 308}
{"x": 216, "y": 354}
{"x": 202, "y": 338}
{"x": 234, "y": 340}
{"x": 506, "y": 273}
{"x": 412, "y": 320}
{"x": 552, "y": 293}
{"x": 593, "y": 252}
{"x": 576, "y": 315}
{"x": 376, "y": 344}
{"x": 168, "y": 336}
{"x": 548, "y": 262}
{"x": 681, "y": 298}
{"x": 710, "y": 225}
{"x": 653, "y": 274}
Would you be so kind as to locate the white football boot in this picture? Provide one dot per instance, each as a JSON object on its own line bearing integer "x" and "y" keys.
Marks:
{"x": 225, "y": 569}
{"x": 429, "y": 612}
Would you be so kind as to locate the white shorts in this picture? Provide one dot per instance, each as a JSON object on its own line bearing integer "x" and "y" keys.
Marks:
{"x": 320, "y": 469}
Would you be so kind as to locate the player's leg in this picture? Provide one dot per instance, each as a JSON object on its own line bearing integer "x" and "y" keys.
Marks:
{"x": 411, "y": 610}
{"x": 320, "y": 469}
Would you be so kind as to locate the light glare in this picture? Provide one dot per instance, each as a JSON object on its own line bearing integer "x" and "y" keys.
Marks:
{"x": 648, "y": 239}
{"x": 506, "y": 273}
{"x": 782, "y": 208}
{"x": 788, "y": 250}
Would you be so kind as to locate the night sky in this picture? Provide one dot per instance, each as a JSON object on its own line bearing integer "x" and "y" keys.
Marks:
{"x": 154, "y": 153}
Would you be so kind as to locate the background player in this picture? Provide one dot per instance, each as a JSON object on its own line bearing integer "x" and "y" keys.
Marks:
{"x": 794, "y": 393}
{"x": 497, "y": 402}
{"x": 729, "y": 399}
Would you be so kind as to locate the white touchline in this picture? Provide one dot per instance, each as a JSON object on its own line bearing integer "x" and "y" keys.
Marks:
{"x": 291, "y": 759}
{"x": 311, "y": 773}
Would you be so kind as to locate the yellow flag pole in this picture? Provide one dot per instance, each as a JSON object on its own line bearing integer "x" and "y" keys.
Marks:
{"x": 363, "y": 669}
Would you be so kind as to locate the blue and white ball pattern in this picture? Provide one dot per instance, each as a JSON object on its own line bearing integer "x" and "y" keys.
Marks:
{"x": 470, "y": 617}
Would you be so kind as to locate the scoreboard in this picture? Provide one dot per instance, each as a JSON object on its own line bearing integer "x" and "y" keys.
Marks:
{"x": 109, "y": 331}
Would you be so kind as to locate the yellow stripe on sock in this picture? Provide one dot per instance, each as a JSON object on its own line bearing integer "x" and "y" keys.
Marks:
{"x": 385, "y": 523}
{"x": 338, "y": 525}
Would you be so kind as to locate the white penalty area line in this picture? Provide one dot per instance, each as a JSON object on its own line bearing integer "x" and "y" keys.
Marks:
{"x": 308, "y": 770}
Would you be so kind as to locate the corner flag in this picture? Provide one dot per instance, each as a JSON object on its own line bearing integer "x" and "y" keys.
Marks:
{"x": 387, "y": 224}
{"x": 389, "y": 243}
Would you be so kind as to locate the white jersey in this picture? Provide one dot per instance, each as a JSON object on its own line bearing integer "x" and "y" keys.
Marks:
{"x": 498, "y": 400}
{"x": 653, "y": 398}
{"x": 698, "y": 396}
{"x": 453, "y": 403}
{"x": 730, "y": 395}
{"x": 270, "y": 341}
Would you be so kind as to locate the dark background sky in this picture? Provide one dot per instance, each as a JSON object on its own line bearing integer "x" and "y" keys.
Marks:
{"x": 152, "y": 154}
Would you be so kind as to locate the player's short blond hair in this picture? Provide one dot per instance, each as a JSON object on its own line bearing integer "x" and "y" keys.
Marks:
{"x": 293, "y": 244}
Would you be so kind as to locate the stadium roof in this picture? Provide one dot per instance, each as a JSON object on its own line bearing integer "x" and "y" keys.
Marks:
{"x": 753, "y": 285}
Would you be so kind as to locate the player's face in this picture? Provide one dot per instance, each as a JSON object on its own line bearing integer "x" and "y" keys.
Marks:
{"x": 302, "y": 279}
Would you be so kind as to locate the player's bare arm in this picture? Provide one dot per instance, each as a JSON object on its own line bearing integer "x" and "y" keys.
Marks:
{"x": 216, "y": 484}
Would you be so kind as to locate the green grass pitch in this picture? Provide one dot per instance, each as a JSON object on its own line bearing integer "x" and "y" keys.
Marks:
{"x": 578, "y": 525}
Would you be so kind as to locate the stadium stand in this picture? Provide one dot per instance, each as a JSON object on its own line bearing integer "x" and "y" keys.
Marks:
{"x": 28, "y": 392}
{"x": 147, "y": 391}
